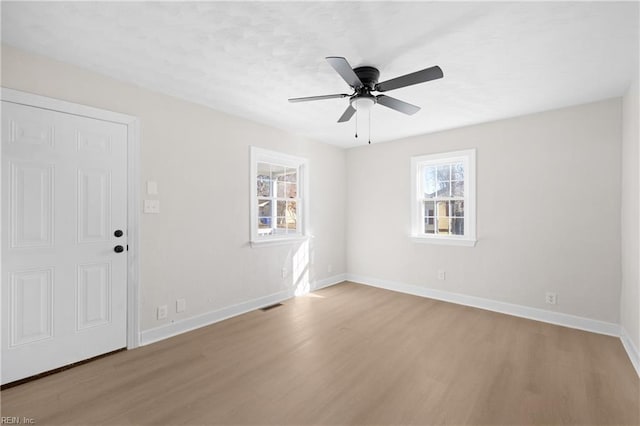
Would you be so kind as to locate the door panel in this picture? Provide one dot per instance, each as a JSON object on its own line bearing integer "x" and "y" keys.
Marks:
{"x": 94, "y": 205}
{"x": 31, "y": 213}
{"x": 94, "y": 290}
{"x": 26, "y": 132}
{"x": 30, "y": 299}
{"x": 64, "y": 192}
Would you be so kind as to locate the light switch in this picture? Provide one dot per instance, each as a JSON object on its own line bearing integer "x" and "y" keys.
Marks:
{"x": 152, "y": 187}
{"x": 151, "y": 206}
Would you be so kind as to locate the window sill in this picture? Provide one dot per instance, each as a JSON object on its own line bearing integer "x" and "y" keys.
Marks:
{"x": 267, "y": 242}
{"x": 464, "y": 242}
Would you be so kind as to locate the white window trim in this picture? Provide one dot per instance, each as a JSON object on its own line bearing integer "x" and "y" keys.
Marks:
{"x": 469, "y": 239}
{"x": 274, "y": 157}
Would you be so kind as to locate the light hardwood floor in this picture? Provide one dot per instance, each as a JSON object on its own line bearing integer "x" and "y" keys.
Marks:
{"x": 349, "y": 354}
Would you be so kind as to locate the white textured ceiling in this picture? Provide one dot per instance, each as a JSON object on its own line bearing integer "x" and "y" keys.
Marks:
{"x": 499, "y": 59}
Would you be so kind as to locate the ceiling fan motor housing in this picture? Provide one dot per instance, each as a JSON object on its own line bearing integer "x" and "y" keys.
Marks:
{"x": 368, "y": 76}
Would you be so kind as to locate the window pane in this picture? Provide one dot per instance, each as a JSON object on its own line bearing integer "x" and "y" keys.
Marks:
{"x": 264, "y": 208}
{"x": 457, "y": 208}
{"x": 443, "y": 209}
{"x": 429, "y": 227}
{"x": 264, "y": 186}
{"x": 444, "y": 181}
{"x": 429, "y": 208}
{"x": 429, "y": 181}
{"x": 291, "y": 215}
{"x": 457, "y": 171}
{"x": 291, "y": 175}
{"x": 264, "y": 180}
{"x": 442, "y": 217}
{"x": 292, "y": 190}
{"x": 444, "y": 173}
{"x": 264, "y": 217}
{"x": 280, "y": 187}
{"x": 429, "y": 220}
{"x": 264, "y": 226}
{"x": 457, "y": 226}
{"x": 443, "y": 224}
{"x": 282, "y": 220}
{"x": 444, "y": 189}
{"x": 457, "y": 189}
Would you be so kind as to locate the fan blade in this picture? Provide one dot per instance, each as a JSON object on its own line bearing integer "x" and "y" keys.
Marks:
{"x": 348, "y": 113}
{"x": 417, "y": 77}
{"x": 318, "y": 98}
{"x": 343, "y": 68}
{"x": 397, "y": 104}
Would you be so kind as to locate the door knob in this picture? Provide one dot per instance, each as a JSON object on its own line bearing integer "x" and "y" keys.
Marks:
{"x": 118, "y": 249}
{"x": 118, "y": 233}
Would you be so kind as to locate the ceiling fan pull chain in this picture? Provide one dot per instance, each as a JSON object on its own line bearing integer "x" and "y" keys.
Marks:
{"x": 356, "y": 121}
{"x": 369, "y": 126}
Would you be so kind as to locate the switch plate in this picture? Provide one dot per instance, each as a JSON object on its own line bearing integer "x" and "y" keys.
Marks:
{"x": 181, "y": 305}
{"x": 152, "y": 187}
{"x": 151, "y": 206}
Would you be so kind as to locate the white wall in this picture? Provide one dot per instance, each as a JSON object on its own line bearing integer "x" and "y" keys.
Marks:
{"x": 548, "y": 219}
{"x": 548, "y": 203}
{"x": 630, "y": 294}
{"x": 197, "y": 247}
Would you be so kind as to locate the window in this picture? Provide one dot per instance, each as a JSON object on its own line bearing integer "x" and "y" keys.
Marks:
{"x": 278, "y": 196}
{"x": 443, "y": 198}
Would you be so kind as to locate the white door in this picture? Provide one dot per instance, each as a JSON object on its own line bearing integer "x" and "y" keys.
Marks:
{"x": 64, "y": 197}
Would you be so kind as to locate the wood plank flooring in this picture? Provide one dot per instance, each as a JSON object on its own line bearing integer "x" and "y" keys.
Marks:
{"x": 349, "y": 355}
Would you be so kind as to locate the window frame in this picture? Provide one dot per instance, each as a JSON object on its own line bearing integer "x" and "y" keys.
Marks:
{"x": 261, "y": 155}
{"x": 468, "y": 158}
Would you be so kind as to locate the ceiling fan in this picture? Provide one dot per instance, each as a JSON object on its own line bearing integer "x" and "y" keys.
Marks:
{"x": 364, "y": 80}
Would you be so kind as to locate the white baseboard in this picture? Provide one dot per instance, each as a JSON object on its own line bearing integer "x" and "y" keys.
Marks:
{"x": 327, "y": 282}
{"x": 188, "y": 324}
{"x": 558, "y": 318}
{"x": 632, "y": 350}
{"x": 567, "y": 320}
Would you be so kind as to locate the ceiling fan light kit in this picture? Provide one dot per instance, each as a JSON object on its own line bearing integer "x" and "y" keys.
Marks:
{"x": 364, "y": 80}
{"x": 363, "y": 103}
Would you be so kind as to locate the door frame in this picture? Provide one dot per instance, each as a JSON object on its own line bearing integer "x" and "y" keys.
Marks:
{"x": 133, "y": 188}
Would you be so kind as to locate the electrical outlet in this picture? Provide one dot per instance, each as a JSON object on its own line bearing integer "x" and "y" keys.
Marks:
{"x": 442, "y": 275}
{"x": 151, "y": 206}
{"x": 162, "y": 312}
{"x": 181, "y": 305}
{"x": 330, "y": 268}
{"x": 284, "y": 272}
{"x": 551, "y": 298}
